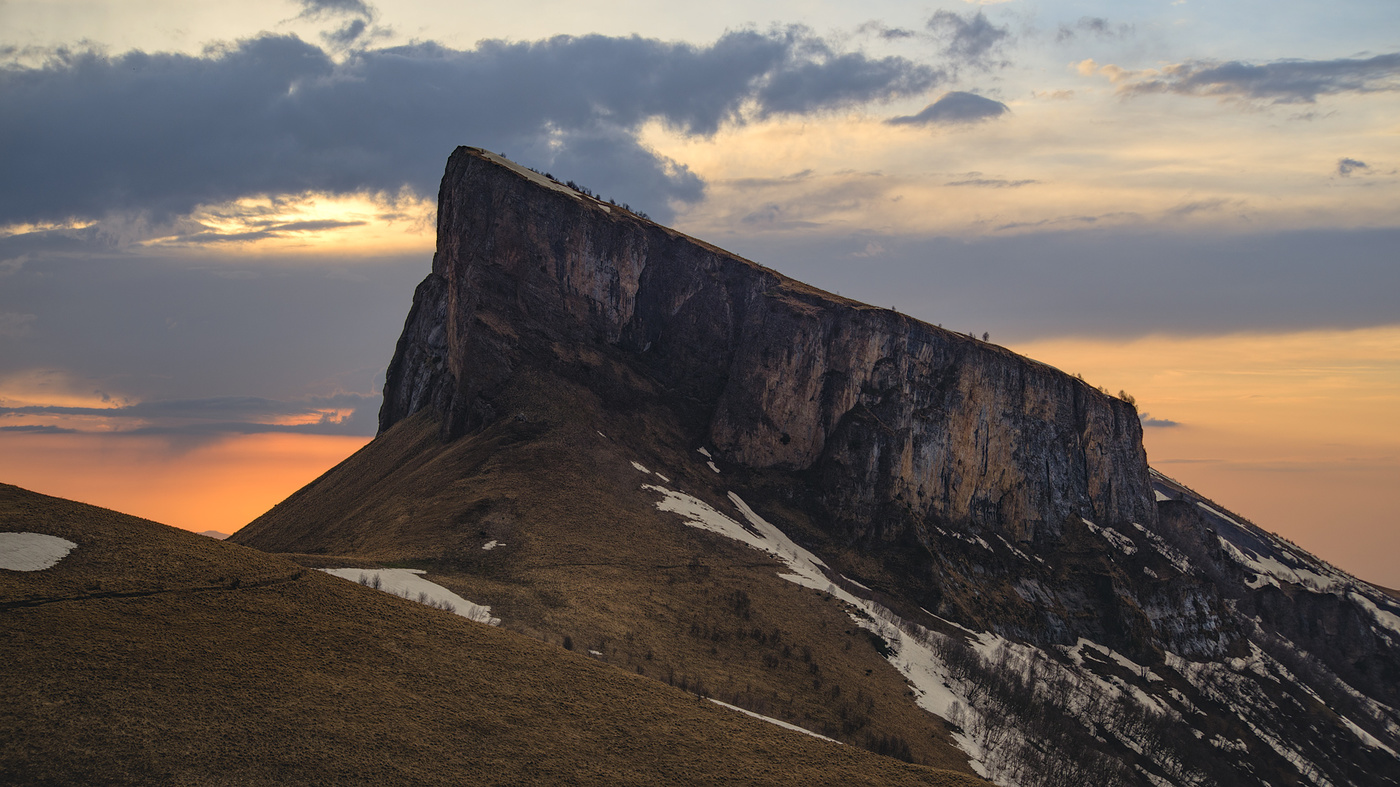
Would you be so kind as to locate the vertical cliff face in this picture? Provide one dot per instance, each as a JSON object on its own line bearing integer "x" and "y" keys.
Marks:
{"x": 904, "y": 425}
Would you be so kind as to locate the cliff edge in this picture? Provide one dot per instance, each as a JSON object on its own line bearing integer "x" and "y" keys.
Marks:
{"x": 903, "y": 425}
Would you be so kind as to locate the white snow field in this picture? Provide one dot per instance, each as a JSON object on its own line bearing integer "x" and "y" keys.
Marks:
{"x": 407, "y": 583}
{"x": 32, "y": 551}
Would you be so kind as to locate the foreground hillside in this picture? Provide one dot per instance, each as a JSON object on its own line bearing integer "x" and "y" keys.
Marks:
{"x": 631, "y": 442}
{"x": 152, "y": 655}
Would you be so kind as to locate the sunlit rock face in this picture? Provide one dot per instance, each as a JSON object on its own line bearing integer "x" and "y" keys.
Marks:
{"x": 904, "y": 426}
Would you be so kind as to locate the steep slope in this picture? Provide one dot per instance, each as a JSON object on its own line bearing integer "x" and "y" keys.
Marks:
{"x": 730, "y": 481}
{"x": 152, "y": 655}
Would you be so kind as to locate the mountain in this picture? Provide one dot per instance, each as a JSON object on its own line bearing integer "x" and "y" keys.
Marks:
{"x": 149, "y": 655}
{"x": 629, "y": 441}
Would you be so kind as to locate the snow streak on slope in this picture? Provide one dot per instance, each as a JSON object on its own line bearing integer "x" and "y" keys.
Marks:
{"x": 405, "y": 582}
{"x": 1009, "y": 705}
{"x": 956, "y": 690}
{"x": 772, "y": 720}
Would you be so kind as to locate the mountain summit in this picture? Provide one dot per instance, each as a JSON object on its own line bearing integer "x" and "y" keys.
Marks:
{"x": 630, "y": 442}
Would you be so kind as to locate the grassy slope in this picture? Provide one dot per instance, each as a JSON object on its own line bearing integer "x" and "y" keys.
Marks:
{"x": 155, "y": 655}
{"x": 588, "y": 556}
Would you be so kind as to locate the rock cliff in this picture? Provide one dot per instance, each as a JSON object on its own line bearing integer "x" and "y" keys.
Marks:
{"x": 905, "y": 426}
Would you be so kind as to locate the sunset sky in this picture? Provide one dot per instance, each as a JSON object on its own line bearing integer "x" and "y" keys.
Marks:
{"x": 213, "y": 215}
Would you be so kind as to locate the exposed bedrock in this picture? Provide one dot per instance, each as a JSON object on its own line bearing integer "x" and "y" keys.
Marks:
{"x": 901, "y": 423}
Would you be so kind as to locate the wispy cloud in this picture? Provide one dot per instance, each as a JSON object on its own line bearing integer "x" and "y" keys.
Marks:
{"x": 343, "y": 414}
{"x": 1095, "y": 26}
{"x": 1346, "y": 166}
{"x": 992, "y": 183}
{"x": 970, "y": 39}
{"x": 1277, "y": 82}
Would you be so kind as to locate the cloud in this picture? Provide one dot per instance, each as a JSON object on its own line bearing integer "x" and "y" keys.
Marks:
{"x": 772, "y": 216}
{"x": 969, "y": 40}
{"x": 954, "y": 108}
{"x": 317, "y": 8}
{"x": 992, "y": 183}
{"x": 1154, "y": 423}
{"x": 885, "y": 32}
{"x": 341, "y": 414}
{"x": 1214, "y": 205}
{"x": 1346, "y": 166}
{"x": 1278, "y": 82}
{"x": 87, "y": 134}
{"x": 1095, "y": 26}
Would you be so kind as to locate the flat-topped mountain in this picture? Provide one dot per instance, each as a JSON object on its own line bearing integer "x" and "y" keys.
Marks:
{"x": 632, "y": 443}
{"x": 903, "y": 422}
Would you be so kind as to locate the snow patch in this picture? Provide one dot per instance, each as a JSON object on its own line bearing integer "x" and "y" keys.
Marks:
{"x": 662, "y": 477}
{"x": 407, "y": 583}
{"x": 1387, "y": 619}
{"x": 704, "y": 452}
{"x": 1160, "y": 497}
{"x": 772, "y": 720}
{"x": 490, "y": 545}
{"x": 1122, "y": 542}
{"x": 853, "y": 582}
{"x": 32, "y": 551}
{"x": 641, "y": 468}
{"x": 712, "y": 466}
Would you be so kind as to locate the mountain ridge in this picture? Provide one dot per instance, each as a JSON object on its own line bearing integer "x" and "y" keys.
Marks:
{"x": 713, "y": 475}
{"x": 903, "y": 420}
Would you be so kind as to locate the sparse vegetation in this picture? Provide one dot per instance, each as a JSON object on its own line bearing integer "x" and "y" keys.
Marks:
{"x": 298, "y": 677}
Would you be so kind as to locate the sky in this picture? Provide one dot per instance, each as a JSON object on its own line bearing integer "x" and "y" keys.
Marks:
{"x": 213, "y": 215}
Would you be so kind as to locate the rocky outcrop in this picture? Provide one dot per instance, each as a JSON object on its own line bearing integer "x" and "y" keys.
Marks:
{"x": 904, "y": 424}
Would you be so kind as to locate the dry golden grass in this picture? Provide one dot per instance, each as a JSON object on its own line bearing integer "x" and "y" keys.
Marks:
{"x": 588, "y": 557}
{"x": 226, "y": 666}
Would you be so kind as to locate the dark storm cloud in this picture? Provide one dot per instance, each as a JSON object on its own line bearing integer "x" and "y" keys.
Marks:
{"x": 1346, "y": 166}
{"x": 954, "y": 108}
{"x": 969, "y": 40}
{"x": 87, "y": 134}
{"x": 1279, "y": 82}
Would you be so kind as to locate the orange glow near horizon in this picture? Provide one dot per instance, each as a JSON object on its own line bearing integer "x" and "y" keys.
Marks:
{"x": 218, "y": 485}
{"x": 1298, "y": 432}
